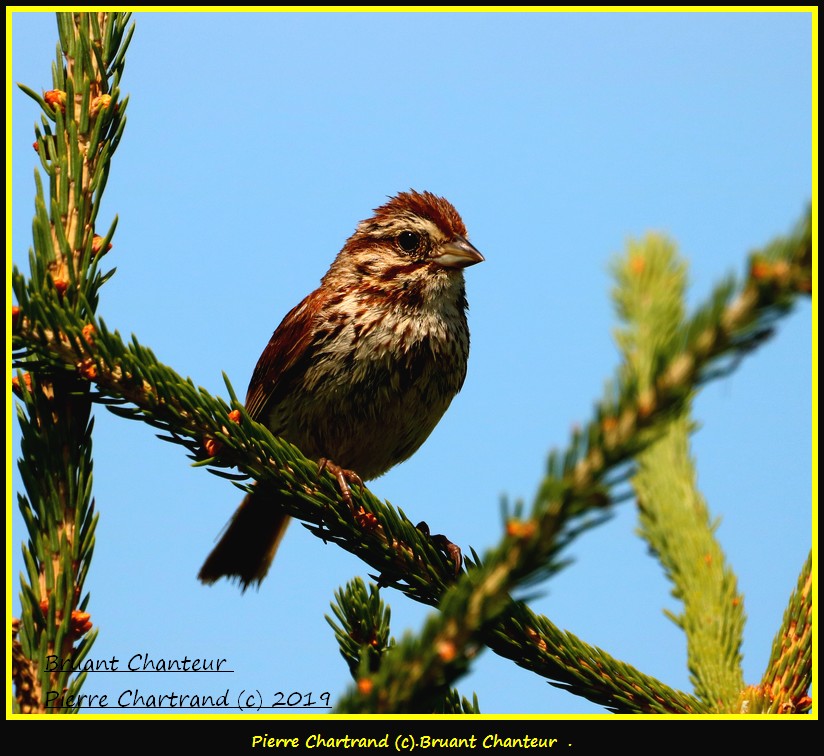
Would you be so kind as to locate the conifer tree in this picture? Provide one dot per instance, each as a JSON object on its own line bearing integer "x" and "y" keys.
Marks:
{"x": 67, "y": 361}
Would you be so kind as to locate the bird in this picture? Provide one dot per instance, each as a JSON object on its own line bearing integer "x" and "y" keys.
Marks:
{"x": 360, "y": 372}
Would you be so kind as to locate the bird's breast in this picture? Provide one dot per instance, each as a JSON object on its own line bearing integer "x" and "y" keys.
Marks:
{"x": 376, "y": 385}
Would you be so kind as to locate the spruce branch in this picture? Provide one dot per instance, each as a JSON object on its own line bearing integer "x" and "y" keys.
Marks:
{"x": 363, "y": 632}
{"x": 417, "y": 675}
{"x": 363, "y": 637}
{"x": 785, "y": 687}
{"x": 674, "y": 520}
{"x": 455, "y": 703}
{"x": 535, "y": 643}
{"x": 23, "y": 676}
{"x": 81, "y": 122}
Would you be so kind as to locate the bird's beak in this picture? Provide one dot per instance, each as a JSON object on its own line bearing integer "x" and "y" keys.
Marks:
{"x": 458, "y": 253}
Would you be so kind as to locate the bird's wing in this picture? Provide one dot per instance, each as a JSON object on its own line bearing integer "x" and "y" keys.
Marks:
{"x": 271, "y": 379}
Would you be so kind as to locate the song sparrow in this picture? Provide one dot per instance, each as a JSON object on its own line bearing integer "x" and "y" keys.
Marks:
{"x": 361, "y": 371}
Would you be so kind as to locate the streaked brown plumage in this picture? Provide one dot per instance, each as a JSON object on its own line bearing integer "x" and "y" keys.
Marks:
{"x": 361, "y": 371}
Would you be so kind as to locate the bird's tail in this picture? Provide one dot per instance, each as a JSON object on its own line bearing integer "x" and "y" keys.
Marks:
{"x": 248, "y": 545}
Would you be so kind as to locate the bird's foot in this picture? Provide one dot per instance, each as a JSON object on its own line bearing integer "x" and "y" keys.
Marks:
{"x": 449, "y": 549}
{"x": 344, "y": 478}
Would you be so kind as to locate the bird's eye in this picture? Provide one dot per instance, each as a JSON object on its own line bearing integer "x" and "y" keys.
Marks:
{"x": 408, "y": 241}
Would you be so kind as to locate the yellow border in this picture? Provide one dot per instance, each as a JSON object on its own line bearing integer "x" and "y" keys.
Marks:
{"x": 813, "y": 10}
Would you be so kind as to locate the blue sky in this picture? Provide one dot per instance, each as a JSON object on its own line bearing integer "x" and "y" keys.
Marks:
{"x": 254, "y": 144}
